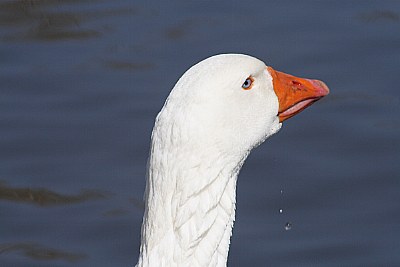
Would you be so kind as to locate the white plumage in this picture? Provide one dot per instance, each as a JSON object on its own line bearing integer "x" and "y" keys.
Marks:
{"x": 201, "y": 137}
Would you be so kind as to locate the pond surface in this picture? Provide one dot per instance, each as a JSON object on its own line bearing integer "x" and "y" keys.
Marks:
{"x": 82, "y": 81}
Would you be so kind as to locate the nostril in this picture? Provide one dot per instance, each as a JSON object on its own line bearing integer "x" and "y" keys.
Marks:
{"x": 297, "y": 84}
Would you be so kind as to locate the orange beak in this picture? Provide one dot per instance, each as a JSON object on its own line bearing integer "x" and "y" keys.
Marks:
{"x": 295, "y": 94}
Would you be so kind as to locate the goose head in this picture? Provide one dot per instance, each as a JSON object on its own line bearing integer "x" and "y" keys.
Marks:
{"x": 216, "y": 113}
{"x": 234, "y": 102}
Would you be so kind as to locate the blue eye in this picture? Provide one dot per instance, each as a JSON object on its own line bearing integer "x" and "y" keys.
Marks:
{"x": 248, "y": 83}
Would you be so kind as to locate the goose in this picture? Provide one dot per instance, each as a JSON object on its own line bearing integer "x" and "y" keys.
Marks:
{"x": 218, "y": 111}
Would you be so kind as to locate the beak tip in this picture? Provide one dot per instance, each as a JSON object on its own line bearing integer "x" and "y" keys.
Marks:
{"x": 323, "y": 88}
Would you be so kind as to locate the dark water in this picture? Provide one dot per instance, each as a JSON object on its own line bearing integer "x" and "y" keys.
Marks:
{"x": 81, "y": 83}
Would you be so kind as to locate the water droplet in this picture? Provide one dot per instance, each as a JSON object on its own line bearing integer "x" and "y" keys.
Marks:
{"x": 280, "y": 210}
{"x": 281, "y": 192}
{"x": 288, "y": 226}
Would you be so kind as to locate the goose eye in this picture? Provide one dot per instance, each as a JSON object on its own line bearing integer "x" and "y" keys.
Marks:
{"x": 248, "y": 83}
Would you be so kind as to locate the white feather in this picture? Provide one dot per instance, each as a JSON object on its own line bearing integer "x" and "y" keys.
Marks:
{"x": 200, "y": 140}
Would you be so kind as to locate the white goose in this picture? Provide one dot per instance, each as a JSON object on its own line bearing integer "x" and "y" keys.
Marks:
{"x": 218, "y": 111}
